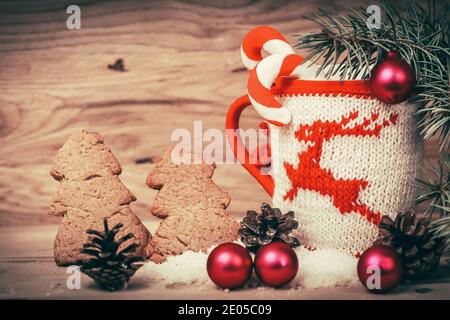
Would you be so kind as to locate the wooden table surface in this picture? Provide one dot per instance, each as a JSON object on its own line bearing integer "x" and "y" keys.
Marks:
{"x": 27, "y": 271}
{"x": 183, "y": 64}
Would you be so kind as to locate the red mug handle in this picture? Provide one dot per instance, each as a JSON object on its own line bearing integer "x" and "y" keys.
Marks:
{"x": 239, "y": 150}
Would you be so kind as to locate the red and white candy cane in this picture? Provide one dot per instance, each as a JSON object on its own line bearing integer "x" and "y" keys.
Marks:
{"x": 281, "y": 62}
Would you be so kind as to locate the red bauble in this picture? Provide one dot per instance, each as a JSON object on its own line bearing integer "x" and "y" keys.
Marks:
{"x": 380, "y": 269}
{"x": 229, "y": 266}
{"x": 392, "y": 80}
{"x": 276, "y": 264}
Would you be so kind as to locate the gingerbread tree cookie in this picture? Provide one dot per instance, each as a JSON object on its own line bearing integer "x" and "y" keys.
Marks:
{"x": 192, "y": 206}
{"x": 89, "y": 191}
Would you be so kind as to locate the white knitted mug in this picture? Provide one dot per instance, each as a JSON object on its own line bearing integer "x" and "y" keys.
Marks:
{"x": 344, "y": 160}
{"x": 340, "y": 158}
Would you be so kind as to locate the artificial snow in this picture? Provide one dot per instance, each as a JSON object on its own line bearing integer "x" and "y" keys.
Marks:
{"x": 317, "y": 269}
{"x": 187, "y": 268}
{"x": 325, "y": 268}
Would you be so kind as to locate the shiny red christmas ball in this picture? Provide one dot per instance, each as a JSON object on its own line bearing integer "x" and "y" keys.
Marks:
{"x": 380, "y": 269}
{"x": 229, "y": 266}
{"x": 276, "y": 264}
{"x": 392, "y": 80}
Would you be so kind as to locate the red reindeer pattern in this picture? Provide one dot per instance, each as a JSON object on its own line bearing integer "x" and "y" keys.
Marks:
{"x": 311, "y": 176}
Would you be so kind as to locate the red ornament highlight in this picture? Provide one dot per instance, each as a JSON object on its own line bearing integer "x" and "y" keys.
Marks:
{"x": 276, "y": 264}
{"x": 380, "y": 269}
{"x": 229, "y": 266}
{"x": 392, "y": 80}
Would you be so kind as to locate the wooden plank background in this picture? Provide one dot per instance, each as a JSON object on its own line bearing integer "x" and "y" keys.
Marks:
{"x": 183, "y": 65}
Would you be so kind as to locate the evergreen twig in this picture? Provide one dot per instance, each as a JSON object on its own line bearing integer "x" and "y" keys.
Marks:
{"x": 440, "y": 229}
{"x": 349, "y": 48}
{"x": 437, "y": 190}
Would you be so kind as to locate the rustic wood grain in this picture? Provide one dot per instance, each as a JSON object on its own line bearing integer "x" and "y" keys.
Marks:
{"x": 183, "y": 65}
{"x": 29, "y": 272}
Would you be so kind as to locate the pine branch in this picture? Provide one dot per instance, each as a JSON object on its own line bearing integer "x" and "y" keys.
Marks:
{"x": 440, "y": 229}
{"x": 349, "y": 48}
{"x": 436, "y": 190}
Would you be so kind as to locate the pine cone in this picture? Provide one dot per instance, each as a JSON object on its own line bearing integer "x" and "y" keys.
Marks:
{"x": 271, "y": 225}
{"x": 110, "y": 267}
{"x": 412, "y": 240}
